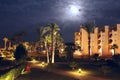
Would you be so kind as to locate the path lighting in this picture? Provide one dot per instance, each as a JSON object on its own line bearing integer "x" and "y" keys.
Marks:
{"x": 79, "y": 70}
{"x": 34, "y": 61}
{"x": 43, "y": 64}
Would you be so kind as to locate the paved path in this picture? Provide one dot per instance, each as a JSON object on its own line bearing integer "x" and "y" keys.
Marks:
{"x": 37, "y": 73}
{"x": 71, "y": 74}
{"x": 76, "y": 75}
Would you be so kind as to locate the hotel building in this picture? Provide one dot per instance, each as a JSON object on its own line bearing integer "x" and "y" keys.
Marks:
{"x": 101, "y": 40}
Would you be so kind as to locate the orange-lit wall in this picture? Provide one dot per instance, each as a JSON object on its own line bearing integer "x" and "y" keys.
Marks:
{"x": 101, "y": 40}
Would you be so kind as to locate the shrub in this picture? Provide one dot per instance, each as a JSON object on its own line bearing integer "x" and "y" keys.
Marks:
{"x": 96, "y": 56}
{"x": 20, "y": 53}
{"x": 12, "y": 73}
{"x": 73, "y": 65}
{"x": 106, "y": 69}
{"x": 116, "y": 59}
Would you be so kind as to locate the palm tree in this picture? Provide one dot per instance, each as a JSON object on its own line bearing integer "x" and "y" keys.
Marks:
{"x": 114, "y": 46}
{"x": 89, "y": 27}
{"x": 10, "y": 44}
{"x": 53, "y": 29}
{"x": 42, "y": 31}
{"x": 59, "y": 41}
{"x": 47, "y": 42}
{"x": 5, "y": 42}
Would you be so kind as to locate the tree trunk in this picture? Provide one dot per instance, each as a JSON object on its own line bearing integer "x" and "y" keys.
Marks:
{"x": 53, "y": 52}
{"x": 10, "y": 45}
{"x": 47, "y": 52}
{"x": 52, "y": 45}
{"x": 5, "y": 43}
{"x": 89, "y": 46}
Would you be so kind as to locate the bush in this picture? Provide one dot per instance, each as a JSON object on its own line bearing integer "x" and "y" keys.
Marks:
{"x": 12, "y": 73}
{"x": 73, "y": 65}
{"x": 106, "y": 69}
{"x": 96, "y": 56}
{"x": 116, "y": 57}
{"x": 1, "y": 58}
{"x": 111, "y": 63}
{"x": 20, "y": 53}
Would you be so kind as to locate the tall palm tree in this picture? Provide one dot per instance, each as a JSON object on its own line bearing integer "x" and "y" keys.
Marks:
{"x": 114, "y": 46}
{"x": 89, "y": 27}
{"x": 47, "y": 42}
{"x": 5, "y": 42}
{"x": 10, "y": 44}
{"x": 51, "y": 29}
{"x": 42, "y": 31}
{"x": 54, "y": 29}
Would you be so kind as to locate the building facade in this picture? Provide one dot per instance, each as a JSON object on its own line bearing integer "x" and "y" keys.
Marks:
{"x": 101, "y": 41}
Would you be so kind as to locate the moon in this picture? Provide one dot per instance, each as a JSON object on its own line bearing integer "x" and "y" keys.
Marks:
{"x": 71, "y": 11}
{"x": 74, "y": 10}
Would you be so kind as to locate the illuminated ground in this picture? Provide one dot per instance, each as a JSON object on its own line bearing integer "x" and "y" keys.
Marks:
{"x": 39, "y": 73}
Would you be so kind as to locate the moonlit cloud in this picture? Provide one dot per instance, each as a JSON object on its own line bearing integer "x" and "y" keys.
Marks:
{"x": 17, "y": 15}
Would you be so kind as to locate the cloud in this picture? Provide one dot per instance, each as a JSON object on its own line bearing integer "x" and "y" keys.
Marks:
{"x": 22, "y": 14}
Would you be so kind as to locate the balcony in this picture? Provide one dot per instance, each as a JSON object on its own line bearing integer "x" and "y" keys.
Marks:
{"x": 110, "y": 41}
{"x": 99, "y": 41}
{"x": 110, "y": 35}
{"x": 99, "y": 47}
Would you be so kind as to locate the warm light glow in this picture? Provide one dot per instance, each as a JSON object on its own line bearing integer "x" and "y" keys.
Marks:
{"x": 100, "y": 51}
{"x": 42, "y": 64}
{"x": 33, "y": 61}
{"x": 77, "y": 52}
{"x": 44, "y": 51}
{"x": 79, "y": 70}
{"x": 82, "y": 73}
{"x": 112, "y": 50}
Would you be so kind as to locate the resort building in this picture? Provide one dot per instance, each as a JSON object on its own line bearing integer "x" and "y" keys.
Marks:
{"x": 102, "y": 40}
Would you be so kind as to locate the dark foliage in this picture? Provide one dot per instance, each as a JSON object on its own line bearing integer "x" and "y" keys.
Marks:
{"x": 96, "y": 56}
{"x": 69, "y": 52}
{"x": 116, "y": 57}
{"x": 20, "y": 52}
{"x": 111, "y": 63}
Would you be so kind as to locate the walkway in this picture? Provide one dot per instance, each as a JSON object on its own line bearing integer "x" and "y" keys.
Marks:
{"x": 39, "y": 71}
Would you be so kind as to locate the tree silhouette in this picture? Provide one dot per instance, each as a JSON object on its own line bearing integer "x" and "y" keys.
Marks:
{"x": 114, "y": 46}
{"x": 20, "y": 52}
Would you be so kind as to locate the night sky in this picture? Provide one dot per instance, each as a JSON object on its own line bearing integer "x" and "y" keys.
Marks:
{"x": 27, "y": 15}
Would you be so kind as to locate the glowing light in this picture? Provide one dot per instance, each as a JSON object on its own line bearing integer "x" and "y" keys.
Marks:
{"x": 100, "y": 51}
{"x": 82, "y": 73}
{"x": 74, "y": 10}
{"x": 112, "y": 50}
{"x": 33, "y": 61}
{"x": 79, "y": 70}
{"x": 42, "y": 64}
